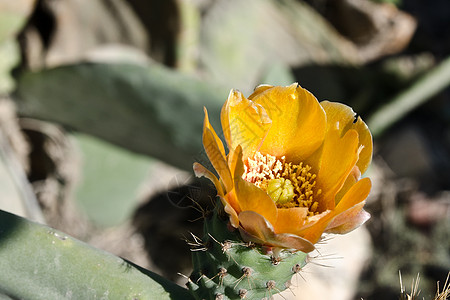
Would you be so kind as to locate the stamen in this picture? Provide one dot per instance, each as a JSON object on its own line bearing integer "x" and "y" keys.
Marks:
{"x": 287, "y": 184}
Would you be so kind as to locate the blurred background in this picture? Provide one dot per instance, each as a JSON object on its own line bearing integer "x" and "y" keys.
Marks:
{"x": 101, "y": 118}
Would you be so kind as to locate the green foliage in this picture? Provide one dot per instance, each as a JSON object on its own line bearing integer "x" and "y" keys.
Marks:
{"x": 111, "y": 178}
{"x": 38, "y": 262}
{"x": 148, "y": 109}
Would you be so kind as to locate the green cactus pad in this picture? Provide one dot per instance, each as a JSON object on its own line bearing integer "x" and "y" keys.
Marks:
{"x": 225, "y": 267}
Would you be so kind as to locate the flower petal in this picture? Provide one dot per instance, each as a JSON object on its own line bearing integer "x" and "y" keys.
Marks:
{"x": 206, "y": 124}
{"x": 357, "y": 194}
{"x": 200, "y": 171}
{"x": 217, "y": 159}
{"x": 346, "y": 117}
{"x": 244, "y": 123}
{"x": 349, "y": 220}
{"x": 338, "y": 157}
{"x": 256, "y": 228}
{"x": 251, "y": 197}
{"x": 352, "y": 178}
{"x": 349, "y": 213}
{"x": 289, "y": 220}
{"x": 292, "y": 241}
{"x": 231, "y": 207}
{"x": 235, "y": 162}
{"x": 298, "y": 121}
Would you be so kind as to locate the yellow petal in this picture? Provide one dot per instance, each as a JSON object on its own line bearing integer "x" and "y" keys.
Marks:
{"x": 200, "y": 171}
{"x": 298, "y": 121}
{"x": 217, "y": 159}
{"x": 338, "y": 157}
{"x": 345, "y": 117}
{"x": 289, "y": 220}
{"x": 206, "y": 124}
{"x": 235, "y": 162}
{"x": 244, "y": 123}
{"x": 259, "y": 89}
{"x": 251, "y": 197}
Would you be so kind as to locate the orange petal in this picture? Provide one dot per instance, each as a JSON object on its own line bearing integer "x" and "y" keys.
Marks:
{"x": 235, "y": 162}
{"x": 338, "y": 157}
{"x": 251, "y": 197}
{"x": 228, "y": 202}
{"x": 357, "y": 194}
{"x": 244, "y": 123}
{"x": 349, "y": 220}
{"x": 292, "y": 241}
{"x": 352, "y": 178}
{"x": 206, "y": 124}
{"x": 289, "y": 220}
{"x": 256, "y": 228}
{"x": 217, "y": 159}
{"x": 298, "y": 121}
{"x": 200, "y": 171}
{"x": 345, "y": 117}
{"x": 313, "y": 230}
{"x": 349, "y": 212}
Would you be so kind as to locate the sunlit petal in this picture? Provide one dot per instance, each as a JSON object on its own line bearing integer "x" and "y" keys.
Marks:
{"x": 235, "y": 162}
{"x": 290, "y": 220}
{"x": 252, "y": 198}
{"x": 244, "y": 123}
{"x": 217, "y": 159}
{"x": 298, "y": 121}
{"x": 348, "y": 119}
{"x": 206, "y": 124}
{"x": 339, "y": 155}
{"x": 352, "y": 178}
{"x": 357, "y": 193}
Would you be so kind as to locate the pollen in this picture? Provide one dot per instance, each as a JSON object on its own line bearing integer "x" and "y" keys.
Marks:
{"x": 287, "y": 184}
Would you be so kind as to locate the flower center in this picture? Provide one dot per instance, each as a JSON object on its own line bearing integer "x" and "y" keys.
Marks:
{"x": 287, "y": 184}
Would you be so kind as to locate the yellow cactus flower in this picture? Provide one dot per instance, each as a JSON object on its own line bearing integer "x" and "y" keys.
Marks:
{"x": 293, "y": 170}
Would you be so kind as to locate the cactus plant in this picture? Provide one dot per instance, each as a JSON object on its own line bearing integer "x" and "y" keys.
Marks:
{"x": 38, "y": 262}
{"x": 225, "y": 266}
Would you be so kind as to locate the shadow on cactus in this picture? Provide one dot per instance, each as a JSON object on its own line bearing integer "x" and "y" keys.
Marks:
{"x": 292, "y": 172}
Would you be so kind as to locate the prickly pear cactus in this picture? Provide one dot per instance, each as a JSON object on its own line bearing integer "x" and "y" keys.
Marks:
{"x": 227, "y": 268}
